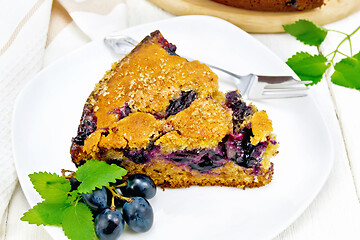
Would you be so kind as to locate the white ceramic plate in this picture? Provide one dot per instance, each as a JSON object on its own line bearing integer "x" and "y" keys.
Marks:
{"x": 48, "y": 111}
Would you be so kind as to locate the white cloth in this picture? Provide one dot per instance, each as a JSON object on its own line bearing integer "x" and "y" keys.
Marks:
{"x": 22, "y": 41}
{"x": 96, "y": 18}
{"x": 23, "y": 34}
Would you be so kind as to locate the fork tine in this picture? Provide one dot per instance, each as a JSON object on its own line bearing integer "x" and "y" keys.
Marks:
{"x": 281, "y": 90}
{"x": 284, "y": 92}
{"x": 282, "y": 95}
{"x": 290, "y": 84}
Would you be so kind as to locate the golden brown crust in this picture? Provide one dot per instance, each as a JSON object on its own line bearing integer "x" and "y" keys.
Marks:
{"x": 202, "y": 125}
{"x": 273, "y": 5}
{"x": 261, "y": 126}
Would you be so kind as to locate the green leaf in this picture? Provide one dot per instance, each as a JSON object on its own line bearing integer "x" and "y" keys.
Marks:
{"x": 96, "y": 174}
{"x": 307, "y": 32}
{"x": 46, "y": 213}
{"x": 51, "y": 187}
{"x": 73, "y": 197}
{"x": 308, "y": 67}
{"x": 347, "y": 72}
{"x": 78, "y": 222}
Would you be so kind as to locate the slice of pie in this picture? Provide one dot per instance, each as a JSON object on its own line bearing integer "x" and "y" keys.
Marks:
{"x": 158, "y": 114}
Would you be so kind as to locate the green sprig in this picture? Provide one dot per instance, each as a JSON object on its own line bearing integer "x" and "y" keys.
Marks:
{"x": 63, "y": 207}
{"x": 313, "y": 67}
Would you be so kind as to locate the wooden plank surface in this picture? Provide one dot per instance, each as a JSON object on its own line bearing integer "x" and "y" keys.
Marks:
{"x": 257, "y": 21}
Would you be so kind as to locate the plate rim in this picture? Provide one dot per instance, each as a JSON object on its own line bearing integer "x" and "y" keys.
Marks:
{"x": 56, "y": 62}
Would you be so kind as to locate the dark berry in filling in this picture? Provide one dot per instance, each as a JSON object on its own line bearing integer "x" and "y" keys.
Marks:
{"x": 201, "y": 160}
{"x": 292, "y": 3}
{"x": 169, "y": 47}
{"x": 238, "y": 106}
{"x": 183, "y": 156}
{"x": 181, "y": 103}
{"x": 116, "y": 161}
{"x": 87, "y": 125}
{"x": 240, "y": 150}
{"x": 122, "y": 112}
{"x": 141, "y": 155}
{"x": 136, "y": 156}
{"x": 207, "y": 162}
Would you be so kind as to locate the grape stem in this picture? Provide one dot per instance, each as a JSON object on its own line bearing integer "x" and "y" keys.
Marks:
{"x": 116, "y": 194}
{"x": 121, "y": 185}
{"x": 64, "y": 171}
{"x": 112, "y": 207}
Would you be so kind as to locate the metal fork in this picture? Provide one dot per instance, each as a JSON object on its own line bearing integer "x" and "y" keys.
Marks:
{"x": 251, "y": 86}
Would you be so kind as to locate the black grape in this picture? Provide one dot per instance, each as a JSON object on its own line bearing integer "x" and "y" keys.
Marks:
{"x": 138, "y": 214}
{"x": 97, "y": 199}
{"x": 109, "y": 224}
{"x": 139, "y": 185}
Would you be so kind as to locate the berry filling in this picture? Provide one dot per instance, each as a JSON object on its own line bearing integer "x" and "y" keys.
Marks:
{"x": 88, "y": 122}
{"x": 240, "y": 150}
{"x": 169, "y": 47}
{"x": 122, "y": 112}
{"x": 142, "y": 155}
{"x": 292, "y": 3}
{"x": 181, "y": 103}
{"x": 208, "y": 162}
{"x": 239, "y": 108}
{"x": 236, "y": 147}
{"x": 87, "y": 125}
{"x": 201, "y": 160}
